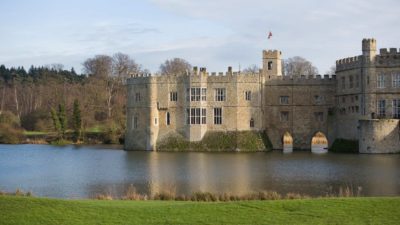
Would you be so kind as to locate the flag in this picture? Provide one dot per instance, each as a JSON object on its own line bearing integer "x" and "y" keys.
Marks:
{"x": 269, "y": 35}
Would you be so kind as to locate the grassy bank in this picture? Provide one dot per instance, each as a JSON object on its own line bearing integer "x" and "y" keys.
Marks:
{"x": 219, "y": 141}
{"x": 28, "y": 210}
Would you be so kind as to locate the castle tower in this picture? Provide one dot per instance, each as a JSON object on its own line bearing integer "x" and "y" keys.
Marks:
{"x": 369, "y": 49}
{"x": 272, "y": 63}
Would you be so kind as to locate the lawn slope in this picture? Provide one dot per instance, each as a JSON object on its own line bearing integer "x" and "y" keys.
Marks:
{"x": 29, "y": 210}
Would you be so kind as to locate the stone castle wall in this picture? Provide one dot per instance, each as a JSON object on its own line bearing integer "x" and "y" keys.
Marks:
{"x": 379, "y": 136}
{"x": 328, "y": 105}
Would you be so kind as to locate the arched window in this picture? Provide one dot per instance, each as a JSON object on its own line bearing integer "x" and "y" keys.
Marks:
{"x": 251, "y": 122}
{"x": 168, "y": 119}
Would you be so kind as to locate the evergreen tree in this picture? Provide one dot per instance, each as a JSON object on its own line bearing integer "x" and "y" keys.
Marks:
{"x": 56, "y": 121}
{"x": 77, "y": 120}
{"x": 62, "y": 116}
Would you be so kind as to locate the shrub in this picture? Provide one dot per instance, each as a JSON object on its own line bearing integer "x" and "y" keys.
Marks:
{"x": 344, "y": 146}
{"x": 10, "y": 134}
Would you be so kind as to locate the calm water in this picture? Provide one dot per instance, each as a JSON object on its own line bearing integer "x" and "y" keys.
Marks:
{"x": 80, "y": 172}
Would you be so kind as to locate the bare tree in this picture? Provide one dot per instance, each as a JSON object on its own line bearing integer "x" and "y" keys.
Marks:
{"x": 332, "y": 70}
{"x": 124, "y": 66}
{"x": 252, "y": 69}
{"x": 298, "y": 66}
{"x": 175, "y": 66}
{"x": 100, "y": 66}
{"x": 110, "y": 73}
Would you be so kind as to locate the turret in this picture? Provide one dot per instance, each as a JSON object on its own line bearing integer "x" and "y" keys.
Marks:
{"x": 272, "y": 63}
{"x": 369, "y": 49}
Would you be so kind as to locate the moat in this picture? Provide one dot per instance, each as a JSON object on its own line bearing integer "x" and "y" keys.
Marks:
{"x": 83, "y": 172}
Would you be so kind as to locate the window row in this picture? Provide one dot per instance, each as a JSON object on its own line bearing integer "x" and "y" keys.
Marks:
{"x": 353, "y": 81}
{"x": 350, "y": 109}
{"x": 200, "y": 94}
{"x": 199, "y": 116}
{"x": 318, "y": 116}
{"x": 381, "y": 108}
{"x": 381, "y": 80}
{"x": 284, "y": 100}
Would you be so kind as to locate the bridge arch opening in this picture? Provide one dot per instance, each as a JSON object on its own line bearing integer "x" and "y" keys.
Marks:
{"x": 287, "y": 142}
{"x": 319, "y": 143}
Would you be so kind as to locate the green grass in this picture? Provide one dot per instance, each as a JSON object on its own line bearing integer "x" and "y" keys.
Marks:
{"x": 219, "y": 141}
{"x": 28, "y": 210}
{"x": 34, "y": 133}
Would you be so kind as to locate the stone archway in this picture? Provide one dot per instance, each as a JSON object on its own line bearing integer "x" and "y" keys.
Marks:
{"x": 287, "y": 142}
{"x": 319, "y": 143}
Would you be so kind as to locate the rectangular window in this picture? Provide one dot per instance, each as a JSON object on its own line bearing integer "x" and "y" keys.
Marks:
{"x": 156, "y": 121}
{"x": 343, "y": 82}
{"x": 380, "y": 81}
{"x": 284, "y": 100}
{"x": 196, "y": 116}
{"x": 343, "y": 99}
{"x": 217, "y": 115}
{"x": 173, "y": 96}
{"x": 203, "y": 116}
{"x": 350, "y": 81}
{"x": 135, "y": 122}
{"x": 204, "y": 94}
{"x": 382, "y": 108}
{"x": 396, "y": 108}
{"x": 396, "y": 80}
{"x": 248, "y": 95}
{"x": 187, "y": 116}
{"x": 137, "y": 97}
{"x": 270, "y": 65}
{"x": 195, "y": 94}
{"x": 220, "y": 94}
{"x": 318, "y": 99}
{"x": 284, "y": 116}
{"x": 357, "y": 81}
{"x": 319, "y": 116}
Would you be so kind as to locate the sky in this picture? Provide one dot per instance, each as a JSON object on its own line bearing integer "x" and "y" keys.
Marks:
{"x": 208, "y": 33}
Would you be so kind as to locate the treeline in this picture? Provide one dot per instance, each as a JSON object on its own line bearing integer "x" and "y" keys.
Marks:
{"x": 28, "y": 97}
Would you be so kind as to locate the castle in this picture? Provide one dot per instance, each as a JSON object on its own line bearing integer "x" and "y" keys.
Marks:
{"x": 361, "y": 102}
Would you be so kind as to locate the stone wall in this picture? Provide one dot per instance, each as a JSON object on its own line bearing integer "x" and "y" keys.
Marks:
{"x": 379, "y": 136}
{"x": 306, "y": 97}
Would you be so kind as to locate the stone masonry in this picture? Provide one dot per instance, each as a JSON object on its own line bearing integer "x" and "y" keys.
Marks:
{"x": 365, "y": 87}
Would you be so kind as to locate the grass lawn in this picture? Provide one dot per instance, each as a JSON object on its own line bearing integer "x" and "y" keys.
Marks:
{"x": 30, "y": 210}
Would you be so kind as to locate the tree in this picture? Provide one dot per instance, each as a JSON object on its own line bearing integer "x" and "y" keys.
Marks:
{"x": 124, "y": 66}
{"x": 56, "y": 121}
{"x": 332, "y": 70}
{"x": 100, "y": 66}
{"x": 59, "y": 120}
{"x": 77, "y": 120}
{"x": 175, "y": 66}
{"x": 251, "y": 69}
{"x": 298, "y": 66}
{"x": 109, "y": 74}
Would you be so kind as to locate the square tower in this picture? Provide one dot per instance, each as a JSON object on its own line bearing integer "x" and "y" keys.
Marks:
{"x": 272, "y": 63}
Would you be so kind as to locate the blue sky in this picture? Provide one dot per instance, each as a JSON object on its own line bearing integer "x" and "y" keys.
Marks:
{"x": 215, "y": 34}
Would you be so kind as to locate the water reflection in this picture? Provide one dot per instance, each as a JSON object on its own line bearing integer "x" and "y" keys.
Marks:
{"x": 71, "y": 172}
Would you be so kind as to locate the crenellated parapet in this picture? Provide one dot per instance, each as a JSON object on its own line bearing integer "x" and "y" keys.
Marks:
{"x": 388, "y": 57}
{"x": 304, "y": 80}
{"x": 272, "y": 54}
{"x": 348, "y": 63}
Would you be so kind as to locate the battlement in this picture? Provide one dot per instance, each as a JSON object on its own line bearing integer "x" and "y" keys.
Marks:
{"x": 391, "y": 51}
{"x": 348, "y": 63}
{"x": 272, "y": 54}
{"x": 309, "y": 77}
